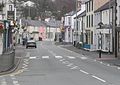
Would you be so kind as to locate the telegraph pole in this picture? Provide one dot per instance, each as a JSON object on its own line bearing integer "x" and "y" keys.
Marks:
{"x": 115, "y": 29}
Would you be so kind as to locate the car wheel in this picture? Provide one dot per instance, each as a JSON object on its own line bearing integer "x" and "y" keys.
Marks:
{"x": 26, "y": 47}
{"x": 35, "y": 46}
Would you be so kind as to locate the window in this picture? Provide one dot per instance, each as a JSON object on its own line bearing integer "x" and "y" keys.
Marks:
{"x": 119, "y": 15}
{"x": 92, "y": 20}
{"x": 69, "y": 20}
{"x": 89, "y": 20}
{"x": 91, "y": 37}
{"x": 92, "y": 5}
{"x": 10, "y": 8}
{"x": 89, "y": 6}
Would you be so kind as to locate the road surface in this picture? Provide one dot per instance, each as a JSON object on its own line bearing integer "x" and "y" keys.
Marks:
{"x": 49, "y": 64}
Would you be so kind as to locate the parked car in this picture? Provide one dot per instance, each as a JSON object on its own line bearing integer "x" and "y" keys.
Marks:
{"x": 40, "y": 39}
{"x": 31, "y": 43}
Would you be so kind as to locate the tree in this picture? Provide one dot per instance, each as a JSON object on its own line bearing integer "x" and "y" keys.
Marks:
{"x": 46, "y": 8}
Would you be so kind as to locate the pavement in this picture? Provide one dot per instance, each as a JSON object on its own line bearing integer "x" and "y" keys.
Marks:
{"x": 19, "y": 53}
{"x": 105, "y": 57}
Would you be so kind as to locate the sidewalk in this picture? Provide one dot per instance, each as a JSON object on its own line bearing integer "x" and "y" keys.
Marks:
{"x": 10, "y": 61}
{"x": 105, "y": 57}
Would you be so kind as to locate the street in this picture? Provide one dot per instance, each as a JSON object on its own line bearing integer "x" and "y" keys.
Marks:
{"x": 49, "y": 64}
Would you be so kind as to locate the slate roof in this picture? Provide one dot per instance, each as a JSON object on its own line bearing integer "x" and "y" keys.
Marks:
{"x": 81, "y": 15}
{"x": 53, "y": 23}
{"x": 106, "y": 6}
{"x": 33, "y": 23}
{"x": 70, "y": 13}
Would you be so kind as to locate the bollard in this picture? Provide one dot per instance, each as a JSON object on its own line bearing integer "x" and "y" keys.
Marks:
{"x": 100, "y": 52}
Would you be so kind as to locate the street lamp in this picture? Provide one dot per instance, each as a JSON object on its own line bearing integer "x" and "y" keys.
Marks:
{"x": 109, "y": 24}
{"x": 100, "y": 39}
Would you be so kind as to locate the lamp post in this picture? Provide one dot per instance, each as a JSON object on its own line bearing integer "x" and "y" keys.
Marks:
{"x": 109, "y": 24}
{"x": 100, "y": 39}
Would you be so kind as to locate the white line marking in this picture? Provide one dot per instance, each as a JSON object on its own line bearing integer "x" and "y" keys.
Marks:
{"x": 70, "y": 64}
{"x": 71, "y": 57}
{"x": 12, "y": 75}
{"x": 16, "y": 83}
{"x": 65, "y": 62}
{"x": 32, "y": 57}
{"x": 84, "y": 72}
{"x": 108, "y": 64}
{"x": 98, "y": 78}
{"x": 101, "y": 62}
{"x": 25, "y": 65}
{"x": 62, "y": 60}
{"x": 58, "y": 57}
{"x": 26, "y": 62}
{"x": 83, "y": 58}
{"x": 95, "y": 60}
{"x": 45, "y": 57}
{"x": 118, "y": 68}
{"x": 75, "y": 67}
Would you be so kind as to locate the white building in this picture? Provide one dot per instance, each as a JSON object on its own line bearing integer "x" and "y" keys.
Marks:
{"x": 118, "y": 23}
{"x": 118, "y": 12}
{"x": 70, "y": 25}
{"x": 53, "y": 30}
{"x": 90, "y": 42}
{"x": 103, "y": 35}
{"x": 81, "y": 39}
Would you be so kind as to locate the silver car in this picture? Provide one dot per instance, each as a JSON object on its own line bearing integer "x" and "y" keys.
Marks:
{"x": 31, "y": 43}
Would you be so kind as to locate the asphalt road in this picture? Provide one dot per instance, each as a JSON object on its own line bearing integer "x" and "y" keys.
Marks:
{"x": 49, "y": 64}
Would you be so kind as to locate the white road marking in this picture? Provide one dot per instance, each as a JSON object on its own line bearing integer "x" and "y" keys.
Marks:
{"x": 26, "y": 60}
{"x": 25, "y": 65}
{"x": 83, "y": 58}
{"x": 12, "y": 75}
{"x": 71, "y": 57}
{"x": 58, "y": 57}
{"x": 118, "y": 68}
{"x": 75, "y": 67}
{"x": 65, "y": 62}
{"x": 62, "y": 60}
{"x": 15, "y": 82}
{"x": 33, "y": 57}
{"x": 101, "y": 62}
{"x": 108, "y": 64}
{"x": 84, "y": 72}
{"x": 98, "y": 78}
{"x": 45, "y": 57}
{"x": 70, "y": 64}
